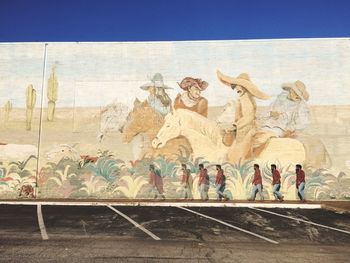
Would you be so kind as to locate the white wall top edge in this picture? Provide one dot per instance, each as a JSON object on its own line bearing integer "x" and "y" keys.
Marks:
{"x": 179, "y": 41}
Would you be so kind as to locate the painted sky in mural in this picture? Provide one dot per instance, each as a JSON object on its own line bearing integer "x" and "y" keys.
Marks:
{"x": 114, "y": 67}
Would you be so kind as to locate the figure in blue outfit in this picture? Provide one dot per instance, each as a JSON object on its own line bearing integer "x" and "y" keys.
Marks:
{"x": 158, "y": 99}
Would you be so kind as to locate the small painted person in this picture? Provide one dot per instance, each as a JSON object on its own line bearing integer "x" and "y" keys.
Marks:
{"x": 156, "y": 181}
{"x": 203, "y": 182}
{"x": 276, "y": 183}
{"x": 220, "y": 183}
{"x": 186, "y": 182}
{"x": 257, "y": 184}
{"x": 300, "y": 182}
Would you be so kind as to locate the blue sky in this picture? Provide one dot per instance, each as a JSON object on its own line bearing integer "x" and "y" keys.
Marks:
{"x": 155, "y": 20}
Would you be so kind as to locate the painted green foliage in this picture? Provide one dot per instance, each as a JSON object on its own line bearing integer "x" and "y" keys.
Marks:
{"x": 109, "y": 177}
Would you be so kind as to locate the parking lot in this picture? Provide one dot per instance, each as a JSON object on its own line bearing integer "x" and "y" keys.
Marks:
{"x": 105, "y": 233}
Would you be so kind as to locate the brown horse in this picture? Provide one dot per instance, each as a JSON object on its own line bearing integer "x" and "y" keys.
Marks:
{"x": 144, "y": 120}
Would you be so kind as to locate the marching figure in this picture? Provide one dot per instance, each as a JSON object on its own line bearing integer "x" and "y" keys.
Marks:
{"x": 276, "y": 182}
{"x": 186, "y": 182}
{"x": 156, "y": 181}
{"x": 220, "y": 183}
{"x": 300, "y": 182}
{"x": 191, "y": 99}
{"x": 257, "y": 184}
{"x": 203, "y": 182}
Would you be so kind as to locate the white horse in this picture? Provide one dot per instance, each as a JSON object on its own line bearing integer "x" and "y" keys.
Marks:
{"x": 113, "y": 118}
{"x": 206, "y": 140}
{"x": 203, "y": 134}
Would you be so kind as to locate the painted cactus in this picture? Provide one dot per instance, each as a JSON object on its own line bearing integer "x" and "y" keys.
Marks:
{"x": 31, "y": 99}
{"x": 7, "y": 108}
{"x": 52, "y": 86}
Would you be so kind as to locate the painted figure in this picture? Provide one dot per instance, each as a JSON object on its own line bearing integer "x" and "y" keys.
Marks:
{"x": 300, "y": 182}
{"x": 276, "y": 183}
{"x": 156, "y": 181}
{"x": 289, "y": 113}
{"x": 186, "y": 182}
{"x": 158, "y": 99}
{"x": 257, "y": 184}
{"x": 203, "y": 182}
{"x": 288, "y": 117}
{"x": 245, "y": 114}
{"x": 191, "y": 99}
{"x": 220, "y": 183}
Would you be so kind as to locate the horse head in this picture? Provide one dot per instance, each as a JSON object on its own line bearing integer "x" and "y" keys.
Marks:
{"x": 141, "y": 119}
{"x": 170, "y": 129}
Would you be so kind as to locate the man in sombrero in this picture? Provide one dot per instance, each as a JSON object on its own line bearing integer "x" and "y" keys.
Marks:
{"x": 289, "y": 114}
{"x": 158, "y": 99}
{"x": 245, "y": 114}
{"x": 191, "y": 99}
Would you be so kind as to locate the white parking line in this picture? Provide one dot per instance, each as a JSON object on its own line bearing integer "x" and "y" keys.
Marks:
{"x": 301, "y": 220}
{"x": 41, "y": 223}
{"x": 229, "y": 225}
{"x": 134, "y": 223}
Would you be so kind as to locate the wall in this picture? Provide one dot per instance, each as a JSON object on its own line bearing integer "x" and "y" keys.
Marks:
{"x": 89, "y": 131}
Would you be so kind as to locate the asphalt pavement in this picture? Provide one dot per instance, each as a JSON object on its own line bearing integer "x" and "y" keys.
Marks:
{"x": 49, "y": 233}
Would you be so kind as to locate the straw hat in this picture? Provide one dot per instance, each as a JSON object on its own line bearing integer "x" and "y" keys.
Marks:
{"x": 243, "y": 80}
{"x": 156, "y": 81}
{"x": 188, "y": 82}
{"x": 298, "y": 87}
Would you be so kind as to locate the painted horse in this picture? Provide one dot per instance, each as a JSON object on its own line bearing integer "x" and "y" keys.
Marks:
{"x": 145, "y": 121}
{"x": 205, "y": 138}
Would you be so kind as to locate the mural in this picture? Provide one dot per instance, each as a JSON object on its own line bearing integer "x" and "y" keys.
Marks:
{"x": 175, "y": 120}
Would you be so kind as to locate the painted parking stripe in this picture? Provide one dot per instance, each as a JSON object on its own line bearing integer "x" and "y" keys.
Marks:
{"x": 41, "y": 223}
{"x": 229, "y": 225}
{"x": 301, "y": 220}
{"x": 134, "y": 223}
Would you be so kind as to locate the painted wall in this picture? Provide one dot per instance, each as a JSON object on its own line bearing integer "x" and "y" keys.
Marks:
{"x": 85, "y": 120}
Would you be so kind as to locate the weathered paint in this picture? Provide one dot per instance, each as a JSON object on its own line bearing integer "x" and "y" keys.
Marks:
{"x": 78, "y": 120}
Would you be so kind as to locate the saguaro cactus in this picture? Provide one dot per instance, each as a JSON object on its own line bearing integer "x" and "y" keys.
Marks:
{"x": 7, "y": 108}
{"x": 52, "y": 86}
{"x": 31, "y": 99}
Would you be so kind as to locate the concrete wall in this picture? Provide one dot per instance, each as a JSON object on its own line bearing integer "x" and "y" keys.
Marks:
{"x": 88, "y": 130}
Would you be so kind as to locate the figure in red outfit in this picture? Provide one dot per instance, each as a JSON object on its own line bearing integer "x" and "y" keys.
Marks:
{"x": 203, "y": 182}
{"x": 191, "y": 99}
{"x": 186, "y": 182}
{"x": 257, "y": 184}
{"x": 300, "y": 182}
{"x": 276, "y": 182}
{"x": 220, "y": 183}
{"x": 156, "y": 181}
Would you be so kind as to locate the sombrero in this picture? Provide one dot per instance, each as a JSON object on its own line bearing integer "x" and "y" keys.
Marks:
{"x": 243, "y": 80}
{"x": 299, "y": 88}
{"x": 156, "y": 81}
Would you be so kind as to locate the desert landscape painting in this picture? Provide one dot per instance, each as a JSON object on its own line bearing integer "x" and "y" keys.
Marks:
{"x": 87, "y": 120}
